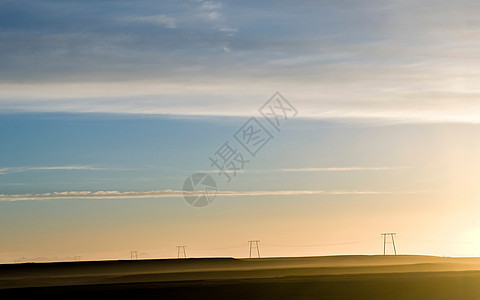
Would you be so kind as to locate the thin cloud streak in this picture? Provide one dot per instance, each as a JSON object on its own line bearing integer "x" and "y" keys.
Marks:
{"x": 324, "y": 169}
{"x": 175, "y": 193}
{"x": 163, "y": 96}
{"x": 335, "y": 169}
{"x": 163, "y": 20}
{"x": 48, "y": 168}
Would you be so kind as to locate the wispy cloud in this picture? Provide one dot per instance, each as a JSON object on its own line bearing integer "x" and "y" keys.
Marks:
{"x": 228, "y": 29}
{"x": 340, "y": 169}
{"x": 212, "y": 10}
{"x": 49, "y": 168}
{"x": 214, "y": 15}
{"x": 431, "y": 76}
{"x": 211, "y": 5}
{"x": 325, "y": 169}
{"x": 175, "y": 193}
{"x": 163, "y": 20}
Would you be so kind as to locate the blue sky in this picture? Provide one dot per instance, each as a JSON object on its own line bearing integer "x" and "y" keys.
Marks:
{"x": 107, "y": 106}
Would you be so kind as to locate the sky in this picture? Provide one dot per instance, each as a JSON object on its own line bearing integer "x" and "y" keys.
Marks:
{"x": 106, "y": 107}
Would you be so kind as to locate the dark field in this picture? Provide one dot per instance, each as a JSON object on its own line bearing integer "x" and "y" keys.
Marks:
{"x": 330, "y": 277}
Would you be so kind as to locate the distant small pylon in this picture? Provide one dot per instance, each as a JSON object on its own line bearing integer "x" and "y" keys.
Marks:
{"x": 254, "y": 245}
{"x": 133, "y": 255}
{"x": 385, "y": 242}
{"x": 181, "y": 252}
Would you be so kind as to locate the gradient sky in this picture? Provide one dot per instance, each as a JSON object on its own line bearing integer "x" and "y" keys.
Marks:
{"x": 107, "y": 106}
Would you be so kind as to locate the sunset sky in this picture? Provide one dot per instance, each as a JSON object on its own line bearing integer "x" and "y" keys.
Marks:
{"x": 106, "y": 107}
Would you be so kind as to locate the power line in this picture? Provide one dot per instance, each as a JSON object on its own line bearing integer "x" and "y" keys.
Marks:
{"x": 439, "y": 241}
{"x": 320, "y": 245}
{"x": 222, "y": 248}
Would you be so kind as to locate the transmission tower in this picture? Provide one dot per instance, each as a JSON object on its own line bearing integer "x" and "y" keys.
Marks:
{"x": 181, "y": 252}
{"x": 253, "y": 246}
{"x": 392, "y": 241}
{"x": 133, "y": 255}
